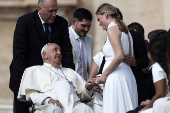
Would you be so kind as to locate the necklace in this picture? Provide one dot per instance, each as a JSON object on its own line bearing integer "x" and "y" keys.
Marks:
{"x": 59, "y": 74}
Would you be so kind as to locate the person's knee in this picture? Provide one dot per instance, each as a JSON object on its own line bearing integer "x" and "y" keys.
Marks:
{"x": 86, "y": 108}
{"x": 97, "y": 108}
{"x": 83, "y": 108}
{"x": 56, "y": 109}
{"x": 53, "y": 109}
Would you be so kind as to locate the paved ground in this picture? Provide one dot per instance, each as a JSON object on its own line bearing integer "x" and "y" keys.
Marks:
{"x": 6, "y": 109}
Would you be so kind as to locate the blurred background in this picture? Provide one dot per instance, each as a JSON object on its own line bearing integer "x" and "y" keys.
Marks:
{"x": 151, "y": 14}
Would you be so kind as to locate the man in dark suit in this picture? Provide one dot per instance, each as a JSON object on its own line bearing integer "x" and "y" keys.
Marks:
{"x": 30, "y": 36}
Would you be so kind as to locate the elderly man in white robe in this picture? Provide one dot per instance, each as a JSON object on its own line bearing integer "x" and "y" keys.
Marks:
{"x": 55, "y": 89}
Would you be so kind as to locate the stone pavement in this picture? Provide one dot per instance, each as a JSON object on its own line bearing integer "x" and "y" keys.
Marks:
{"x": 6, "y": 109}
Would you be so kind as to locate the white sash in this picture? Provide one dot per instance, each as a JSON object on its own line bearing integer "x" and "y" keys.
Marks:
{"x": 65, "y": 95}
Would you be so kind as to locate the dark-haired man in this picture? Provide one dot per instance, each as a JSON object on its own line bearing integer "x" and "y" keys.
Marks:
{"x": 135, "y": 26}
{"x": 82, "y": 43}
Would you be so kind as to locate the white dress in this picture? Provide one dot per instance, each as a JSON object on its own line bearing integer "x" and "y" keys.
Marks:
{"x": 120, "y": 90}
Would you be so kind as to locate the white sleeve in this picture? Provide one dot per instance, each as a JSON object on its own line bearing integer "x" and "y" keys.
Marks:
{"x": 98, "y": 58}
{"x": 38, "y": 98}
{"x": 157, "y": 73}
{"x": 45, "y": 102}
{"x": 86, "y": 95}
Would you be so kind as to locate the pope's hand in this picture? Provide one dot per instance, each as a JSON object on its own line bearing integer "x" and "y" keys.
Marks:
{"x": 55, "y": 102}
{"x": 90, "y": 84}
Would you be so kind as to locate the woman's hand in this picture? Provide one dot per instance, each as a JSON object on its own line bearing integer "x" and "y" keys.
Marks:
{"x": 145, "y": 102}
{"x": 101, "y": 79}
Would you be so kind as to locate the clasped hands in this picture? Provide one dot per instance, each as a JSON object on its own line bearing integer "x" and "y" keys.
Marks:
{"x": 98, "y": 80}
{"x": 89, "y": 85}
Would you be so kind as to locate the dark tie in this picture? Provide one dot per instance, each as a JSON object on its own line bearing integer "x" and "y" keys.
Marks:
{"x": 47, "y": 32}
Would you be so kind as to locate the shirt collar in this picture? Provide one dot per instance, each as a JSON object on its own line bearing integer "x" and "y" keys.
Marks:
{"x": 151, "y": 66}
{"x": 110, "y": 25}
{"x": 42, "y": 21}
{"x": 76, "y": 36}
{"x": 49, "y": 65}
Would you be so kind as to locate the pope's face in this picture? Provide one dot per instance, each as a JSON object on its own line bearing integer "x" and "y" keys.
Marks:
{"x": 48, "y": 11}
{"x": 53, "y": 55}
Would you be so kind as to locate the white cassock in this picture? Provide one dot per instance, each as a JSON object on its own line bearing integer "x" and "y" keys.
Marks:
{"x": 42, "y": 83}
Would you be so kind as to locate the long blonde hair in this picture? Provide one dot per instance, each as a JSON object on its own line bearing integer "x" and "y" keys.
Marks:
{"x": 114, "y": 13}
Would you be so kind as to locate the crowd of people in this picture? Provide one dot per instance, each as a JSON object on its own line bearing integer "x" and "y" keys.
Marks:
{"x": 53, "y": 66}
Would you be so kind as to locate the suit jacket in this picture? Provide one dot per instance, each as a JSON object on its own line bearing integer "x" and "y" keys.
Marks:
{"x": 89, "y": 47}
{"x": 140, "y": 53}
{"x": 29, "y": 38}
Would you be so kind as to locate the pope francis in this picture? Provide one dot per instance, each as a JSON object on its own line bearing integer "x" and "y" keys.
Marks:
{"x": 55, "y": 89}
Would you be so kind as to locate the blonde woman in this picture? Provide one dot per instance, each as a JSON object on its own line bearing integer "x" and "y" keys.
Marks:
{"x": 120, "y": 91}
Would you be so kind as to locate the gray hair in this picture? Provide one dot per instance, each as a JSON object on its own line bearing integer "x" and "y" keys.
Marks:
{"x": 44, "y": 49}
{"x": 41, "y": 2}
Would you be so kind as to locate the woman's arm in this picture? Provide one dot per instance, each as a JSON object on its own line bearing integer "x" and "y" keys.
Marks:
{"x": 93, "y": 70}
{"x": 96, "y": 63}
{"x": 114, "y": 35}
{"x": 160, "y": 88}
